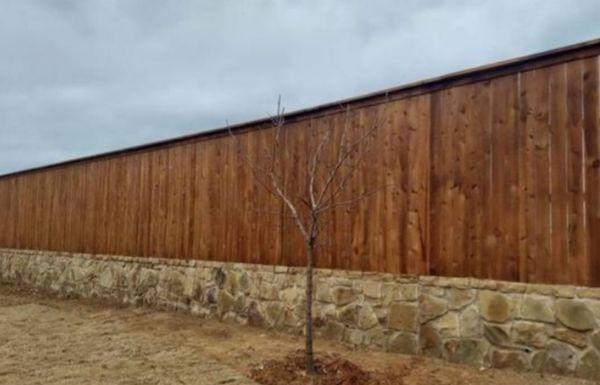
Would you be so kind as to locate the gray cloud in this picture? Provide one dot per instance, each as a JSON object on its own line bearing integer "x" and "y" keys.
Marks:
{"x": 81, "y": 77}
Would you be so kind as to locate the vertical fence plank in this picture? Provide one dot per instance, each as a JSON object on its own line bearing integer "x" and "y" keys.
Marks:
{"x": 591, "y": 126}
{"x": 578, "y": 263}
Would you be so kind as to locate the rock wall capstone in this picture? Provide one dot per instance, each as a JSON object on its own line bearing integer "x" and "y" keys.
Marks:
{"x": 549, "y": 328}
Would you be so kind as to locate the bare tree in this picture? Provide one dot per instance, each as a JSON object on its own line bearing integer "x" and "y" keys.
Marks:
{"x": 330, "y": 167}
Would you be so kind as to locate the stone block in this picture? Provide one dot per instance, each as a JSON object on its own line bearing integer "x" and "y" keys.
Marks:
{"x": 589, "y": 365}
{"x": 403, "y": 316}
{"x": 404, "y": 292}
{"x": 497, "y": 335}
{"x": 447, "y": 325}
{"x": 354, "y": 337}
{"x": 403, "y": 342}
{"x": 376, "y": 336}
{"x": 372, "y": 289}
{"x": 323, "y": 293}
{"x": 291, "y": 295}
{"x": 595, "y": 339}
{"x": 537, "y": 308}
{"x": 343, "y": 295}
{"x": 333, "y": 330}
{"x": 529, "y": 334}
{"x": 431, "y": 307}
{"x": 459, "y": 298}
{"x": 268, "y": 291}
{"x": 348, "y": 315}
{"x": 493, "y": 306}
{"x": 107, "y": 279}
{"x": 575, "y": 315}
{"x": 430, "y": 342}
{"x": 226, "y": 302}
{"x": 465, "y": 351}
{"x": 470, "y": 322}
{"x": 509, "y": 359}
{"x": 366, "y": 317}
{"x": 588, "y": 292}
{"x": 433, "y": 291}
{"x": 560, "y": 358}
{"x": 273, "y": 312}
{"x": 570, "y": 337}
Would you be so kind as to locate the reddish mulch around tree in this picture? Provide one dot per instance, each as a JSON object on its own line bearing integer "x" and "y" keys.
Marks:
{"x": 332, "y": 369}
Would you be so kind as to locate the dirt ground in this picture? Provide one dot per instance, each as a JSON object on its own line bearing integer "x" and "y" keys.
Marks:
{"x": 45, "y": 340}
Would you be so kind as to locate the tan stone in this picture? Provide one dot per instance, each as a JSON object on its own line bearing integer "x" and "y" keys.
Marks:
{"x": 455, "y": 282}
{"x": 538, "y": 360}
{"x": 372, "y": 289}
{"x": 509, "y": 359}
{"x": 595, "y": 339}
{"x": 273, "y": 312}
{"x": 493, "y": 306}
{"x": 226, "y": 301}
{"x": 107, "y": 279}
{"x": 232, "y": 282}
{"x": 470, "y": 322}
{"x": 354, "y": 337}
{"x": 333, "y": 330}
{"x": 434, "y": 291}
{"x": 541, "y": 289}
{"x": 485, "y": 284}
{"x": 324, "y": 310}
{"x": 447, "y": 325}
{"x": 291, "y": 295}
{"x": 268, "y": 292}
{"x": 570, "y": 337}
{"x": 561, "y": 358}
{"x": 404, "y": 292}
{"x": 562, "y": 291}
{"x": 589, "y": 365}
{"x": 402, "y": 342}
{"x": 323, "y": 293}
{"x": 430, "y": 342}
{"x": 575, "y": 315}
{"x": 459, "y": 298}
{"x": 537, "y": 308}
{"x": 431, "y": 307}
{"x": 529, "y": 334}
{"x": 348, "y": 315}
{"x": 594, "y": 306}
{"x": 403, "y": 316}
{"x": 291, "y": 319}
{"x": 146, "y": 279}
{"x": 497, "y": 335}
{"x": 343, "y": 295}
{"x": 512, "y": 287}
{"x": 366, "y": 317}
{"x": 376, "y": 336}
{"x": 589, "y": 292}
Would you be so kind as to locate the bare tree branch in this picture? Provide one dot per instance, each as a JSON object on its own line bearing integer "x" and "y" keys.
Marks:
{"x": 329, "y": 168}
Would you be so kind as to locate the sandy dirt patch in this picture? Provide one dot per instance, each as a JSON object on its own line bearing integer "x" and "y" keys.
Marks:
{"x": 45, "y": 340}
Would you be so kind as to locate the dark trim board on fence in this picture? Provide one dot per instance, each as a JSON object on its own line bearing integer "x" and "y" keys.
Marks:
{"x": 494, "y": 173}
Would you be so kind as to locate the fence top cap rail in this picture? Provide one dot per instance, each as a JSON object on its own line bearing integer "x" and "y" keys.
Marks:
{"x": 592, "y": 47}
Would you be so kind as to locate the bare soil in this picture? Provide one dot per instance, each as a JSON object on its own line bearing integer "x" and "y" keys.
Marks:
{"x": 46, "y": 340}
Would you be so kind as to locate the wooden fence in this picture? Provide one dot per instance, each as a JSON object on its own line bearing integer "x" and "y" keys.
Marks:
{"x": 494, "y": 173}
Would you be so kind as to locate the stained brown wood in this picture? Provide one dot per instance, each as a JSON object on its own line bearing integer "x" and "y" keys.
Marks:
{"x": 496, "y": 177}
{"x": 591, "y": 125}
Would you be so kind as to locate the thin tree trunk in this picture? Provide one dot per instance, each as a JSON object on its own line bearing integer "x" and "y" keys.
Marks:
{"x": 310, "y": 359}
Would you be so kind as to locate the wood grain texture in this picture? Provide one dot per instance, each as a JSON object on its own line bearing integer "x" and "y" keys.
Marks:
{"x": 494, "y": 178}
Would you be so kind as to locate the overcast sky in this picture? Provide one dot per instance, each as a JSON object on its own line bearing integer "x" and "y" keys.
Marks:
{"x": 78, "y": 77}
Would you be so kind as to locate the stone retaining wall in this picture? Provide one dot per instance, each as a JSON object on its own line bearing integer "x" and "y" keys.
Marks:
{"x": 479, "y": 322}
